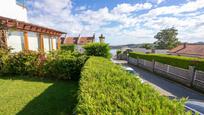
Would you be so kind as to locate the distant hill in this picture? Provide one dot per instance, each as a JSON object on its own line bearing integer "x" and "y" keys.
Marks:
{"x": 126, "y": 46}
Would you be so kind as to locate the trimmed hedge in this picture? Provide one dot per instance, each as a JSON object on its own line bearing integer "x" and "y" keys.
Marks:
{"x": 105, "y": 88}
{"x": 97, "y": 49}
{"x": 67, "y": 47}
{"x": 178, "y": 61}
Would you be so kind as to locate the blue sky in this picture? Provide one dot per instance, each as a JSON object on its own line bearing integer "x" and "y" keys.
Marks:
{"x": 121, "y": 21}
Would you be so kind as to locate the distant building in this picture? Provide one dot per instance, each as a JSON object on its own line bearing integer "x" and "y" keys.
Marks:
{"x": 189, "y": 50}
{"x": 78, "y": 41}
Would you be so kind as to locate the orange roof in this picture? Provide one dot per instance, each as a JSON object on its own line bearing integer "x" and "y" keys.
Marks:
{"x": 12, "y": 23}
{"x": 190, "y": 49}
{"x": 79, "y": 40}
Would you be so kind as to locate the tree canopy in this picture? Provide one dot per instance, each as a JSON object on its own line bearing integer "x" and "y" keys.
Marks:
{"x": 167, "y": 38}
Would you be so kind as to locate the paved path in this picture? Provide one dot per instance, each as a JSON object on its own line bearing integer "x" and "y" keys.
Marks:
{"x": 163, "y": 85}
{"x": 167, "y": 87}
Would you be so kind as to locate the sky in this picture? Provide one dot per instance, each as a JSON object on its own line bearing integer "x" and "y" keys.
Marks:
{"x": 121, "y": 21}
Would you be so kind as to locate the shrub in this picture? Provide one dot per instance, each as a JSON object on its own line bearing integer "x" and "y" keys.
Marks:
{"x": 22, "y": 63}
{"x": 178, "y": 61}
{"x": 68, "y": 47}
{"x": 106, "y": 88}
{"x": 4, "y": 53}
{"x": 97, "y": 49}
{"x": 118, "y": 52}
{"x": 64, "y": 65}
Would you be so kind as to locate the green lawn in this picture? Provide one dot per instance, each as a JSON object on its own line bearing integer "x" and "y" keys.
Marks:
{"x": 35, "y": 96}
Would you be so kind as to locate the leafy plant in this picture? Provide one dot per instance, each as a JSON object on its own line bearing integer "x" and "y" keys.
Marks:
{"x": 106, "y": 88}
{"x": 178, "y": 61}
{"x": 64, "y": 65}
{"x": 68, "y": 47}
{"x": 97, "y": 49}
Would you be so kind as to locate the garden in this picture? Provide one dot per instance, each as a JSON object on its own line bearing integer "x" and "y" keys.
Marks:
{"x": 67, "y": 82}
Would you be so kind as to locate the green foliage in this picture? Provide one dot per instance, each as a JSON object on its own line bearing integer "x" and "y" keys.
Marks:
{"x": 178, "y": 61}
{"x": 106, "y": 88}
{"x": 118, "y": 52}
{"x": 97, "y": 49}
{"x": 4, "y": 53}
{"x": 147, "y": 46}
{"x": 21, "y": 63}
{"x": 58, "y": 64}
{"x": 68, "y": 47}
{"x": 64, "y": 65}
{"x": 167, "y": 38}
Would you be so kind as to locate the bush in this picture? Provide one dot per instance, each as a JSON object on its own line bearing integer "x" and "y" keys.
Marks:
{"x": 178, "y": 61}
{"x": 64, "y": 65}
{"x": 22, "y": 63}
{"x": 118, "y": 52}
{"x": 57, "y": 64}
{"x": 68, "y": 47}
{"x": 97, "y": 49}
{"x": 4, "y": 53}
{"x": 106, "y": 88}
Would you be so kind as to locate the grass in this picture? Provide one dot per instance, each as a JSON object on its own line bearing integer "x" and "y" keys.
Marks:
{"x": 34, "y": 96}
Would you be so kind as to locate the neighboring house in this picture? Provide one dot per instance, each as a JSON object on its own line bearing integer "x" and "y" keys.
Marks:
{"x": 78, "y": 41}
{"x": 20, "y": 35}
{"x": 189, "y": 50}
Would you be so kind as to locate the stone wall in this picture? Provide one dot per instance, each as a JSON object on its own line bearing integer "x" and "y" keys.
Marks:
{"x": 189, "y": 77}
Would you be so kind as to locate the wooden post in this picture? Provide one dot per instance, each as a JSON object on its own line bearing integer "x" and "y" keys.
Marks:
{"x": 41, "y": 42}
{"x": 26, "y": 47}
{"x": 153, "y": 64}
{"x": 58, "y": 43}
{"x": 192, "y": 72}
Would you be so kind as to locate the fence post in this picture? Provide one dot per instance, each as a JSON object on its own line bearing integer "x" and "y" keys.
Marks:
{"x": 137, "y": 61}
{"x": 192, "y": 74}
{"x": 167, "y": 69}
{"x": 153, "y": 64}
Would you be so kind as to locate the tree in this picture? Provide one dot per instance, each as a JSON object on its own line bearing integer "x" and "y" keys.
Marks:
{"x": 147, "y": 46}
{"x": 167, "y": 38}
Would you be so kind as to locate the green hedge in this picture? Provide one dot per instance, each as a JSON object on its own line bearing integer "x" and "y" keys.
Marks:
{"x": 178, "y": 61}
{"x": 58, "y": 64}
{"x": 105, "y": 88}
{"x": 97, "y": 49}
{"x": 67, "y": 47}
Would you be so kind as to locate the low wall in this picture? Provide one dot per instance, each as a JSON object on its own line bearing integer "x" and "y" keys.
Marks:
{"x": 189, "y": 77}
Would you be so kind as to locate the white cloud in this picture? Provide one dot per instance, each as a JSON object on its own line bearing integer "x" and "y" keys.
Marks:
{"x": 128, "y": 28}
{"x": 160, "y": 1}
{"x": 128, "y": 8}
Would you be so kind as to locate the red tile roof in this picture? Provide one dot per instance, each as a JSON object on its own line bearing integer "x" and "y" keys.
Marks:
{"x": 12, "y": 23}
{"x": 79, "y": 40}
{"x": 196, "y": 50}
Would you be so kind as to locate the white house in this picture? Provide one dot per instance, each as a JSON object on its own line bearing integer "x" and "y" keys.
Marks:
{"x": 21, "y": 35}
{"x": 13, "y": 9}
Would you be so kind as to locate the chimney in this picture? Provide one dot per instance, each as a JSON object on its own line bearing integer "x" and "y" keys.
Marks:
{"x": 184, "y": 45}
{"x": 93, "y": 37}
{"x": 101, "y": 38}
{"x": 78, "y": 40}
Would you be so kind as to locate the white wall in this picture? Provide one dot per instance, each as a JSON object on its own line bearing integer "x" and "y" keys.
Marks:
{"x": 33, "y": 41}
{"x": 9, "y": 9}
{"x": 15, "y": 40}
{"x": 55, "y": 43}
